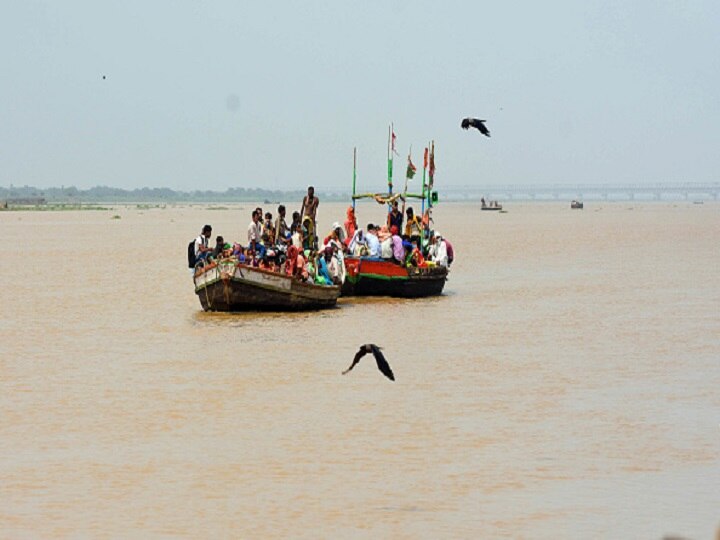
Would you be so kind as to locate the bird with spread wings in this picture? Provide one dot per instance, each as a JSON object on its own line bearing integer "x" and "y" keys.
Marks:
{"x": 382, "y": 364}
{"x": 477, "y": 124}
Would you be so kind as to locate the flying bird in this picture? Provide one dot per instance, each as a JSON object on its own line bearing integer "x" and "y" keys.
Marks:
{"x": 382, "y": 364}
{"x": 476, "y": 123}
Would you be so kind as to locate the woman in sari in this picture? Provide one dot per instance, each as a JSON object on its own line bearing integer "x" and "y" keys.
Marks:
{"x": 350, "y": 225}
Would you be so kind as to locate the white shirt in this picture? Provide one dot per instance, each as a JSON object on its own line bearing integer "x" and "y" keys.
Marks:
{"x": 200, "y": 241}
{"x": 373, "y": 245}
{"x": 386, "y": 248}
{"x": 438, "y": 253}
{"x": 254, "y": 232}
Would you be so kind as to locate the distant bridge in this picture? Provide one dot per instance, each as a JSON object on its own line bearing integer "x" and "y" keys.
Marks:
{"x": 686, "y": 191}
{"x": 530, "y": 192}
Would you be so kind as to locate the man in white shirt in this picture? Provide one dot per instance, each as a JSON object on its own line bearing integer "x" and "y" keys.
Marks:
{"x": 372, "y": 241}
{"x": 438, "y": 251}
{"x": 202, "y": 249}
{"x": 255, "y": 234}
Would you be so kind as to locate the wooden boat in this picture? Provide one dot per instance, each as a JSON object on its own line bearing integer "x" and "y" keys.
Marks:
{"x": 369, "y": 276}
{"x": 379, "y": 277}
{"x": 576, "y": 205}
{"x": 229, "y": 286}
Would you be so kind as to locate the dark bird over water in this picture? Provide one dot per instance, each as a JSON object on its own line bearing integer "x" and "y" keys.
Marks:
{"x": 379, "y": 358}
{"x": 476, "y": 123}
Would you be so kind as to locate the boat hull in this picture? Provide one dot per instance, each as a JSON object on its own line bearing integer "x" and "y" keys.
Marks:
{"x": 376, "y": 277}
{"x": 232, "y": 287}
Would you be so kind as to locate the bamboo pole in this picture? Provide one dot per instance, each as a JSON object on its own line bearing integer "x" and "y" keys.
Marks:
{"x": 354, "y": 175}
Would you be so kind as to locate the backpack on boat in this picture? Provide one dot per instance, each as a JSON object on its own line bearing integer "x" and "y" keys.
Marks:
{"x": 191, "y": 254}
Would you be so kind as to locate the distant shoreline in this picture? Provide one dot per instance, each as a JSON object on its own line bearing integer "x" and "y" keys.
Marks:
{"x": 65, "y": 197}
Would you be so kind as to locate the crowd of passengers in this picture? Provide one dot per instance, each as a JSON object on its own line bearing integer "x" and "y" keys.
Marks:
{"x": 296, "y": 250}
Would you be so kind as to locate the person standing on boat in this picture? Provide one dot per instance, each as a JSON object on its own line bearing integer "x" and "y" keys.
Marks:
{"x": 309, "y": 207}
{"x": 202, "y": 249}
{"x": 395, "y": 217}
{"x": 255, "y": 235}
{"x": 282, "y": 231}
{"x": 268, "y": 230}
{"x": 413, "y": 228}
{"x": 350, "y": 225}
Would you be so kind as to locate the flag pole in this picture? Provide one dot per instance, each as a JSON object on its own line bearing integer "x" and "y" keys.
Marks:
{"x": 391, "y": 132}
{"x": 424, "y": 184}
{"x": 404, "y": 197}
{"x": 354, "y": 174}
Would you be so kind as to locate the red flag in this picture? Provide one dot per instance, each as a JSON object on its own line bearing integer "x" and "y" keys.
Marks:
{"x": 425, "y": 159}
{"x": 393, "y": 144}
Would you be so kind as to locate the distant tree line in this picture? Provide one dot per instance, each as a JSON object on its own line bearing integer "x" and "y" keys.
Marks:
{"x": 146, "y": 194}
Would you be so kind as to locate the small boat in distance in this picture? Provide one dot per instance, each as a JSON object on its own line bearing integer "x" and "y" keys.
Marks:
{"x": 576, "y": 205}
{"x": 493, "y": 205}
{"x": 227, "y": 285}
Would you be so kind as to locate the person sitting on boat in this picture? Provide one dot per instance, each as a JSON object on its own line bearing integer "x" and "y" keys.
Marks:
{"x": 296, "y": 221}
{"x": 202, "y": 250}
{"x": 358, "y": 245}
{"x": 323, "y": 273}
{"x": 413, "y": 227}
{"x": 372, "y": 241}
{"x": 407, "y": 249}
{"x": 438, "y": 250}
{"x": 296, "y": 236}
{"x": 255, "y": 235}
{"x": 310, "y": 265}
{"x": 336, "y": 236}
{"x": 264, "y": 263}
{"x": 350, "y": 225}
{"x": 450, "y": 251}
{"x": 282, "y": 231}
{"x": 308, "y": 233}
{"x": 398, "y": 251}
{"x": 386, "y": 250}
{"x": 268, "y": 230}
{"x": 333, "y": 258}
{"x": 219, "y": 248}
{"x": 238, "y": 252}
{"x": 291, "y": 261}
{"x": 415, "y": 258}
{"x": 395, "y": 216}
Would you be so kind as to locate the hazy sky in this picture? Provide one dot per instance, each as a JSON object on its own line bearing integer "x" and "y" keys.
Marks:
{"x": 211, "y": 95}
